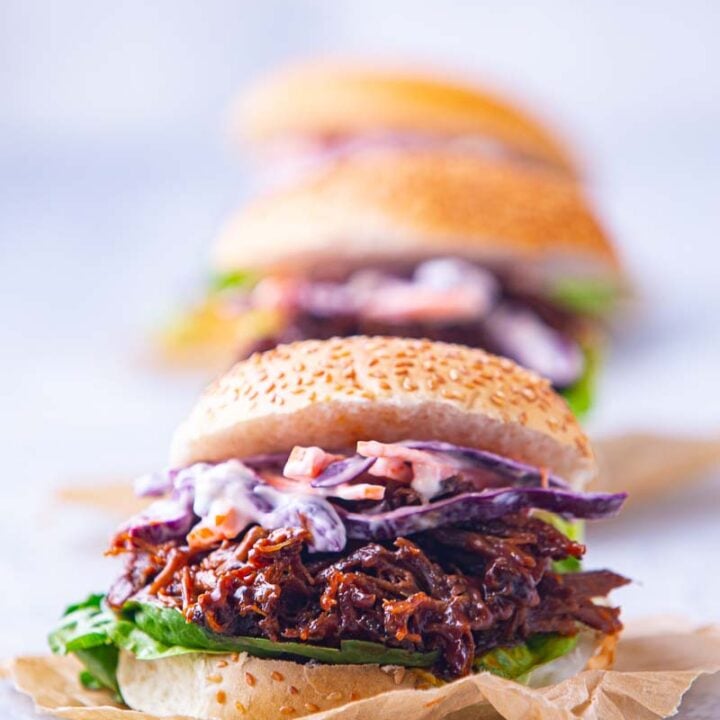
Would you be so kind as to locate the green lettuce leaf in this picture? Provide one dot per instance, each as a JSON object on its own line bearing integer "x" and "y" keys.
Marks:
{"x": 89, "y": 681}
{"x": 85, "y": 631}
{"x": 516, "y": 662}
{"x": 581, "y": 394}
{"x": 586, "y": 296}
{"x": 84, "y": 625}
{"x": 100, "y": 667}
{"x": 234, "y": 280}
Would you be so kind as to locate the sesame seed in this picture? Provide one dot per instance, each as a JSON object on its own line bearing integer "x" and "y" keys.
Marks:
{"x": 221, "y": 697}
{"x": 240, "y": 707}
{"x": 432, "y": 702}
{"x": 293, "y": 690}
{"x": 222, "y": 663}
{"x": 354, "y": 696}
{"x": 452, "y": 394}
{"x": 214, "y": 678}
{"x": 497, "y": 398}
{"x": 334, "y": 695}
{"x": 311, "y": 707}
{"x": 250, "y": 679}
{"x": 278, "y": 677}
{"x": 287, "y": 710}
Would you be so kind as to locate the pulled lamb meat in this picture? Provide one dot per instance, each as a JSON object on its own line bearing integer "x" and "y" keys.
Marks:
{"x": 460, "y": 591}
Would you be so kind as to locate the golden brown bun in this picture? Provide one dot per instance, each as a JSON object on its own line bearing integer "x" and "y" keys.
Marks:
{"x": 333, "y": 393}
{"x": 321, "y": 99}
{"x": 389, "y": 206}
{"x": 226, "y": 687}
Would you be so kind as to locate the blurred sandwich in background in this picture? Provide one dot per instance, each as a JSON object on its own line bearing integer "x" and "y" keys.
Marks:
{"x": 487, "y": 253}
{"x": 308, "y": 115}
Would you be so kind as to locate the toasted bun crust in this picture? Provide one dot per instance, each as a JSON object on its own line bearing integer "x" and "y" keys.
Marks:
{"x": 333, "y": 393}
{"x": 225, "y": 687}
{"x": 321, "y": 99}
{"x": 391, "y": 205}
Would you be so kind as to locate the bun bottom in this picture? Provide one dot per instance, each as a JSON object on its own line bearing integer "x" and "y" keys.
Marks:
{"x": 231, "y": 686}
{"x": 225, "y": 687}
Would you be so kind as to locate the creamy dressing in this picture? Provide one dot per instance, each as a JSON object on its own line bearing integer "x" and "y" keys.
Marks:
{"x": 427, "y": 470}
{"x": 229, "y": 496}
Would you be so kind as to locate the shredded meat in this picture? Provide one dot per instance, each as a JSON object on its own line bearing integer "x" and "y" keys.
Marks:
{"x": 456, "y": 590}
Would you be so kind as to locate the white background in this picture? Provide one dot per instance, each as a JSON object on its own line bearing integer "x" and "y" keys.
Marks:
{"x": 114, "y": 175}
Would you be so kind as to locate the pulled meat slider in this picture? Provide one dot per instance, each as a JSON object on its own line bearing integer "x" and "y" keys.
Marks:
{"x": 350, "y": 516}
{"x": 309, "y": 115}
{"x": 450, "y": 248}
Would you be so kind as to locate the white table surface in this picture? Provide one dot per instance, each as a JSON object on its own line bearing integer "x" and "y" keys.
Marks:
{"x": 114, "y": 176}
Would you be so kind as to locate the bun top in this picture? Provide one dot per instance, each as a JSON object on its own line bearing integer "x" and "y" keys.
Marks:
{"x": 390, "y": 205}
{"x": 330, "y": 99}
{"x": 336, "y": 392}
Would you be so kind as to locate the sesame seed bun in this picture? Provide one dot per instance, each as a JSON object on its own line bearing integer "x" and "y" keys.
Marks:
{"x": 220, "y": 686}
{"x": 225, "y": 687}
{"x": 336, "y": 392}
{"x": 390, "y": 206}
{"x": 329, "y": 99}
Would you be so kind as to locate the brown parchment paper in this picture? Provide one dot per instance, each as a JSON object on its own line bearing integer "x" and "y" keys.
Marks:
{"x": 648, "y": 465}
{"x": 114, "y": 497}
{"x": 657, "y": 661}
